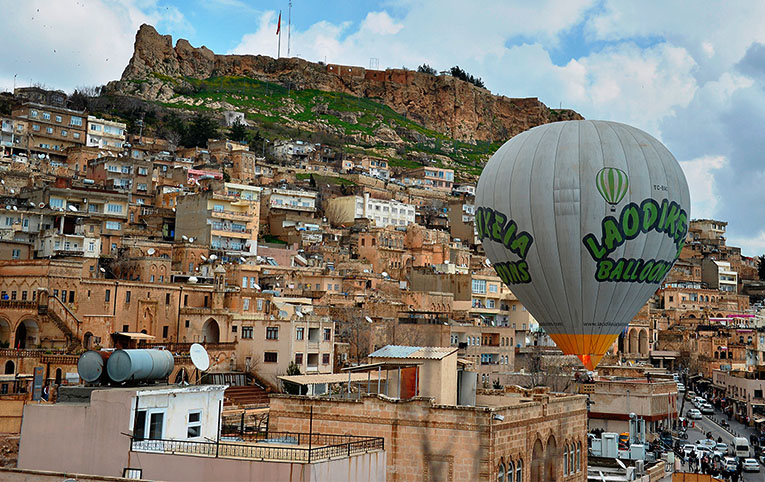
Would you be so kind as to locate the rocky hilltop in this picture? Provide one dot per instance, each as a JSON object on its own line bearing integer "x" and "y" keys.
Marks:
{"x": 460, "y": 110}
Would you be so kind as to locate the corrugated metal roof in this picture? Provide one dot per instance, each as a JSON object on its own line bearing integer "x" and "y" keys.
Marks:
{"x": 426, "y": 352}
{"x": 330, "y": 378}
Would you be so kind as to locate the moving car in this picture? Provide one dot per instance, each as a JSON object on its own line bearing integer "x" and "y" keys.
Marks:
{"x": 721, "y": 447}
{"x": 730, "y": 464}
{"x": 694, "y": 414}
{"x": 707, "y": 409}
{"x": 707, "y": 443}
{"x": 688, "y": 449}
{"x": 750, "y": 465}
{"x": 680, "y": 387}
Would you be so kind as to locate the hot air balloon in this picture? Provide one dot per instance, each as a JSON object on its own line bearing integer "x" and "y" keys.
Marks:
{"x": 583, "y": 220}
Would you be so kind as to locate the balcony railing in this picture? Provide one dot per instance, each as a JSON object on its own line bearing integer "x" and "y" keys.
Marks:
{"x": 269, "y": 446}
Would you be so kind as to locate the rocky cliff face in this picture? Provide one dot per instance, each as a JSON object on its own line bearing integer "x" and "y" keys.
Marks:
{"x": 442, "y": 103}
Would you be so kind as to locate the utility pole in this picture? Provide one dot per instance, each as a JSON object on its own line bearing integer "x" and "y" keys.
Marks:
{"x": 289, "y": 27}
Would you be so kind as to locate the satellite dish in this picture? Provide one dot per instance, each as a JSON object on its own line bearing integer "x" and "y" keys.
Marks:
{"x": 368, "y": 319}
{"x": 184, "y": 237}
{"x": 193, "y": 279}
{"x": 13, "y": 192}
{"x": 2, "y": 181}
{"x": 199, "y": 357}
{"x": 242, "y": 259}
{"x": 151, "y": 251}
{"x": 257, "y": 286}
{"x": 15, "y": 208}
{"x": 41, "y": 205}
{"x": 203, "y": 257}
{"x": 72, "y": 208}
{"x": 299, "y": 314}
{"x": 8, "y": 207}
{"x": 102, "y": 270}
{"x": 213, "y": 257}
{"x": 191, "y": 240}
{"x": 32, "y": 203}
{"x": 384, "y": 274}
{"x": 173, "y": 209}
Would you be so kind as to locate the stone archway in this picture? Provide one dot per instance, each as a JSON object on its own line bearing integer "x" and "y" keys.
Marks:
{"x": 552, "y": 461}
{"x": 87, "y": 340}
{"x": 59, "y": 376}
{"x": 210, "y": 331}
{"x": 5, "y": 333}
{"x": 10, "y": 367}
{"x": 537, "y": 462}
{"x": 632, "y": 342}
{"x": 27, "y": 334}
{"x": 643, "y": 342}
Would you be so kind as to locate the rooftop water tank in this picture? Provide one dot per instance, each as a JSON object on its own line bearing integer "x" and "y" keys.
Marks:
{"x": 140, "y": 365}
{"x": 92, "y": 366}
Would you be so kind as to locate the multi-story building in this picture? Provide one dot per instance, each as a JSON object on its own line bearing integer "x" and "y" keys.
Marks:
{"x": 719, "y": 275}
{"x": 490, "y": 348}
{"x": 290, "y": 200}
{"x": 105, "y": 134}
{"x": 226, "y": 223}
{"x": 744, "y": 392}
{"x": 52, "y": 129}
{"x": 432, "y": 178}
{"x": 462, "y": 220}
{"x": 271, "y": 345}
{"x": 382, "y": 212}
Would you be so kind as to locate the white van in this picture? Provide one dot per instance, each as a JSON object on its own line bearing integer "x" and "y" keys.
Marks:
{"x": 741, "y": 447}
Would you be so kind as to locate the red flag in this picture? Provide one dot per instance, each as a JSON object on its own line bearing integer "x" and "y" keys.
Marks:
{"x": 279, "y": 24}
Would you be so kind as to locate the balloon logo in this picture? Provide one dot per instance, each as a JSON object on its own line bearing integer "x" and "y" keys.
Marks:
{"x": 579, "y": 266}
{"x": 612, "y": 185}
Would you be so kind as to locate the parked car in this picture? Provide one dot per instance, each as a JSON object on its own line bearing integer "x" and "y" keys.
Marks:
{"x": 730, "y": 464}
{"x": 688, "y": 449}
{"x": 694, "y": 414}
{"x": 707, "y": 409}
{"x": 680, "y": 387}
{"x": 750, "y": 465}
{"x": 721, "y": 447}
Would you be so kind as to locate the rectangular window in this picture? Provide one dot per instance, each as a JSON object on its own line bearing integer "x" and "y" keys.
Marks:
{"x": 127, "y": 297}
{"x": 325, "y": 359}
{"x": 300, "y": 333}
{"x": 71, "y": 296}
{"x": 113, "y": 225}
{"x": 244, "y": 281}
{"x": 327, "y": 334}
{"x": 63, "y": 133}
{"x": 270, "y": 357}
{"x": 479, "y": 286}
{"x": 167, "y": 298}
{"x": 49, "y": 130}
{"x": 194, "y": 427}
{"x": 139, "y": 425}
{"x": 75, "y": 121}
{"x": 156, "y": 423}
{"x": 492, "y": 288}
{"x": 23, "y": 296}
{"x": 56, "y": 203}
{"x": 245, "y": 304}
{"x": 58, "y": 119}
{"x": 113, "y": 208}
{"x": 260, "y": 305}
{"x": 46, "y": 116}
{"x": 272, "y": 333}
{"x": 165, "y": 330}
{"x": 35, "y": 127}
{"x": 107, "y": 295}
{"x": 298, "y": 358}
{"x": 16, "y": 254}
{"x": 76, "y": 135}
{"x": 246, "y": 332}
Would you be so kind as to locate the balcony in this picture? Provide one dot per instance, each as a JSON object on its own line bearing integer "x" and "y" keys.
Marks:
{"x": 231, "y": 216}
{"x": 269, "y": 446}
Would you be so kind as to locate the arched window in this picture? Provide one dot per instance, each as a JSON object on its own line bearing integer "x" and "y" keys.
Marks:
{"x": 717, "y": 355}
{"x": 518, "y": 471}
{"x": 501, "y": 473}
{"x": 571, "y": 463}
{"x": 578, "y": 456}
{"x": 565, "y": 459}
{"x": 510, "y": 471}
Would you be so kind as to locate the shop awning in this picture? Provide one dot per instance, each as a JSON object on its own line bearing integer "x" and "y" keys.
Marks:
{"x": 134, "y": 336}
{"x": 759, "y": 419}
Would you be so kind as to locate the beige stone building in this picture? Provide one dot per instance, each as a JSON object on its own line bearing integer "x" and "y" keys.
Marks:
{"x": 523, "y": 437}
{"x": 226, "y": 223}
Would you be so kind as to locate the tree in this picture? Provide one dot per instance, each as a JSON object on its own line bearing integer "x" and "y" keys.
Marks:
{"x": 457, "y": 72}
{"x": 238, "y": 132}
{"x": 201, "y": 128}
{"x": 761, "y": 267}
{"x": 426, "y": 69}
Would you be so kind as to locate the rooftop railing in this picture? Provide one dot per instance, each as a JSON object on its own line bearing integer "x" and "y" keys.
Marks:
{"x": 268, "y": 446}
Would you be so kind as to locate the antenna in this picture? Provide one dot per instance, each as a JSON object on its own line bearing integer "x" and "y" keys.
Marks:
{"x": 289, "y": 27}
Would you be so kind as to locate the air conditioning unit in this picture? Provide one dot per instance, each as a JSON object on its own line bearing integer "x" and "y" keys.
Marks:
{"x": 639, "y": 467}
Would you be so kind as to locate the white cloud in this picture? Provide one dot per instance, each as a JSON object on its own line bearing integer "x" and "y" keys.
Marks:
{"x": 67, "y": 43}
{"x": 700, "y": 174}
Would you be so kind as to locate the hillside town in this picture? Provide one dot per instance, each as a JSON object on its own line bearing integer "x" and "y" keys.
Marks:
{"x": 335, "y": 294}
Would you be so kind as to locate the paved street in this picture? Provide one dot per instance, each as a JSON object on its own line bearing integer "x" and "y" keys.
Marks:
{"x": 706, "y": 425}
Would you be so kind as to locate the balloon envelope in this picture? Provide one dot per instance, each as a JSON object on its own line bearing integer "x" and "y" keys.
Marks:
{"x": 583, "y": 220}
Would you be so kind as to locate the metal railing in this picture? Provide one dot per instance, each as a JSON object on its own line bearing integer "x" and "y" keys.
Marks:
{"x": 271, "y": 446}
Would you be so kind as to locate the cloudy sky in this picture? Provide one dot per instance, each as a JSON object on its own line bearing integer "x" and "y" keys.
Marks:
{"x": 690, "y": 73}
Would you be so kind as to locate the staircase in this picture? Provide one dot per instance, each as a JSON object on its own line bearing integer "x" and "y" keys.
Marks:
{"x": 241, "y": 396}
{"x": 61, "y": 316}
